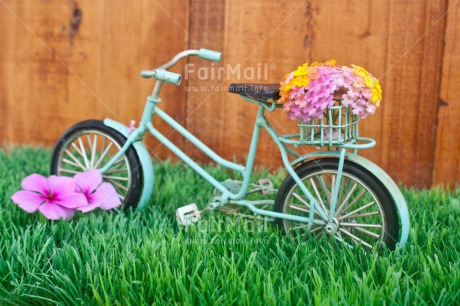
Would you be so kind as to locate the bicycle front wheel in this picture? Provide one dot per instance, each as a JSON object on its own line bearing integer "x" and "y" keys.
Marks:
{"x": 365, "y": 213}
{"x": 91, "y": 145}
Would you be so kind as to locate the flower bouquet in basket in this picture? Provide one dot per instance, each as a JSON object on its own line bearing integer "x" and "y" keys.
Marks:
{"x": 329, "y": 100}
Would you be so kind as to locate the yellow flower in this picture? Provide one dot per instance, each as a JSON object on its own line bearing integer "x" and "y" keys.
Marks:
{"x": 369, "y": 82}
{"x": 301, "y": 81}
{"x": 301, "y": 70}
{"x": 360, "y": 71}
{"x": 376, "y": 93}
{"x": 328, "y": 63}
{"x": 378, "y": 87}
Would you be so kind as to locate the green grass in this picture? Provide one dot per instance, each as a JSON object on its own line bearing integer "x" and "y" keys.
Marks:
{"x": 144, "y": 258}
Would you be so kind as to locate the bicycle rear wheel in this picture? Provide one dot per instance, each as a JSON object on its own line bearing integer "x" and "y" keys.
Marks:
{"x": 365, "y": 212}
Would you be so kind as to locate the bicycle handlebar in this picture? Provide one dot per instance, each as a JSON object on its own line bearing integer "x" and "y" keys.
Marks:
{"x": 203, "y": 53}
{"x": 210, "y": 55}
{"x": 162, "y": 75}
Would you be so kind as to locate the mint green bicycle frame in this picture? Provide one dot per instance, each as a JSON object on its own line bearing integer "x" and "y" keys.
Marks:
{"x": 226, "y": 197}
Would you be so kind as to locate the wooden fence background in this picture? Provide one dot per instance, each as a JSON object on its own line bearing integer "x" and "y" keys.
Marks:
{"x": 65, "y": 61}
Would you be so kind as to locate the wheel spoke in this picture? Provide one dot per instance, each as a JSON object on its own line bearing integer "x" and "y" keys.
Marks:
{"x": 118, "y": 178}
{"x": 319, "y": 227}
{"x": 112, "y": 171}
{"x": 369, "y": 233}
{"x": 88, "y": 138}
{"x": 339, "y": 234}
{"x": 339, "y": 209}
{"x": 75, "y": 159}
{"x": 357, "y": 210}
{"x": 104, "y": 153}
{"x": 318, "y": 196}
{"x": 68, "y": 171}
{"x": 104, "y": 142}
{"x": 355, "y": 200}
{"x": 295, "y": 195}
{"x": 361, "y": 225}
{"x": 93, "y": 151}
{"x": 318, "y": 235}
{"x": 325, "y": 189}
{"x": 298, "y": 197}
{"x": 83, "y": 152}
{"x": 312, "y": 231}
{"x": 119, "y": 161}
{"x": 70, "y": 163}
{"x": 357, "y": 240}
{"x": 332, "y": 189}
{"x": 299, "y": 208}
{"x": 77, "y": 149}
{"x": 118, "y": 184}
{"x": 372, "y": 213}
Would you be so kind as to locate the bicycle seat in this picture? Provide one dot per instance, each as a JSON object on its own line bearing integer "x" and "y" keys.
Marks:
{"x": 256, "y": 91}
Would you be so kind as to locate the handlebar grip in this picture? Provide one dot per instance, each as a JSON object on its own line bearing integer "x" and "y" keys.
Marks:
{"x": 210, "y": 55}
{"x": 162, "y": 75}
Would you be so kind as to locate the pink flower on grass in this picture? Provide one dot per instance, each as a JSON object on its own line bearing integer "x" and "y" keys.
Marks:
{"x": 54, "y": 197}
{"x": 59, "y": 197}
{"x": 98, "y": 194}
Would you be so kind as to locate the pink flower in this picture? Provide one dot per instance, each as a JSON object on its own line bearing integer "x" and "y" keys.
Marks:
{"x": 54, "y": 197}
{"x": 326, "y": 82}
{"x": 98, "y": 194}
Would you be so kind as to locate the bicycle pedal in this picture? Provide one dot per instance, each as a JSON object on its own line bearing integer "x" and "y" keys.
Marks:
{"x": 188, "y": 214}
{"x": 267, "y": 185}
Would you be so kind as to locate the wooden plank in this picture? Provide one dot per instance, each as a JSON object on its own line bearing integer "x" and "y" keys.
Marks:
{"x": 164, "y": 33}
{"x": 6, "y": 52}
{"x": 31, "y": 71}
{"x": 248, "y": 40}
{"x": 447, "y": 159}
{"x": 125, "y": 42}
{"x": 203, "y": 108}
{"x": 95, "y": 70}
{"x": 411, "y": 83}
{"x": 85, "y": 100}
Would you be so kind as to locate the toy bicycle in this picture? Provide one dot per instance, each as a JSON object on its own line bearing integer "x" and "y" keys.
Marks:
{"x": 334, "y": 192}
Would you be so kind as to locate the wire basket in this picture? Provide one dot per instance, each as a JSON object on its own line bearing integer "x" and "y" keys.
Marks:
{"x": 338, "y": 126}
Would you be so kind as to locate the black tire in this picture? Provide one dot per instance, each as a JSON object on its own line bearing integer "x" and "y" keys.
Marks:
{"x": 127, "y": 181}
{"x": 315, "y": 175}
